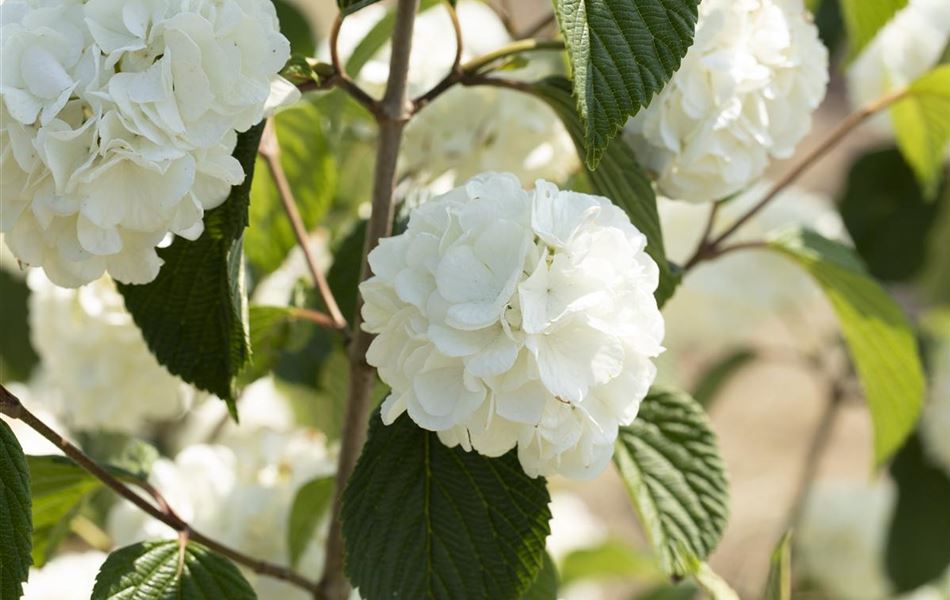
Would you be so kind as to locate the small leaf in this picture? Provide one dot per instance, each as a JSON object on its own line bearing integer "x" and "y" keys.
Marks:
{"x": 150, "y": 571}
{"x": 17, "y": 357}
{"x": 310, "y": 505}
{"x": 864, "y": 18}
{"x": 622, "y": 52}
{"x": 295, "y": 27}
{"x": 612, "y": 559}
{"x": 422, "y": 520}
{"x": 58, "y": 487}
{"x": 344, "y": 275}
{"x": 194, "y": 315}
{"x": 618, "y": 178}
{"x": 719, "y": 373}
{"x": 545, "y": 584}
{"x": 880, "y": 340}
{"x": 779, "y": 584}
{"x": 16, "y": 521}
{"x": 922, "y": 126}
{"x": 669, "y": 461}
{"x": 918, "y": 540}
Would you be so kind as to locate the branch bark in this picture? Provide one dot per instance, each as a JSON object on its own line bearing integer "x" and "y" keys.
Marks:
{"x": 393, "y": 112}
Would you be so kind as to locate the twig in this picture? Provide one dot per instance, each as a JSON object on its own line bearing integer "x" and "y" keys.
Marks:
{"x": 710, "y": 249}
{"x": 270, "y": 152}
{"x": 11, "y": 406}
{"x": 394, "y": 111}
{"x": 459, "y": 43}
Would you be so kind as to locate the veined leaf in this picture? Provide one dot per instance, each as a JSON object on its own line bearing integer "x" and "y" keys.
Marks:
{"x": 15, "y": 515}
{"x": 922, "y": 126}
{"x": 622, "y": 53}
{"x": 422, "y": 520}
{"x": 864, "y": 18}
{"x": 152, "y": 571}
{"x": 545, "y": 584}
{"x": 879, "y": 338}
{"x": 670, "y": 463}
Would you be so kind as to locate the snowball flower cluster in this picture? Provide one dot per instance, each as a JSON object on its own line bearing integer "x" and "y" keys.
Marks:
{"x": 744, "y": 93}
{"x": 507, "y": 318}
{"x": 467, "y": 130}
{"x": 99, "y": 369}
{"x": 117, "y": 123}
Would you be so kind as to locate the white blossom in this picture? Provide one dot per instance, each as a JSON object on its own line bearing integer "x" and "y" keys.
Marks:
{"x": 95, "y": 358}
{"x": 240, "y": 493}
{"x": 744, "y": 94}
{"x": 507, "y": 318}
{"x": 67, "y": 577}
{"x": 118, "y": 120}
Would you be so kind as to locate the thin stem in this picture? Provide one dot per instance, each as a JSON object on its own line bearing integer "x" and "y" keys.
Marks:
{"x": 394, "y": 111}
{"x": 334, "y": 44}
{"x": 704, "y": 239}
{"x": 270, "y": 152}
{"x": 11, "y": 406}
{"x": 459, "y": 44}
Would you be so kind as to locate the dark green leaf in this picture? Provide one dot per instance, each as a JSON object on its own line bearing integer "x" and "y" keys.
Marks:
{"x": 344, "y": 275}
{"x": 348, "y": 7}
{"x": 622, "y": 53}
{"x": 294, "y": 26}
{"x": 150, "y": 571}
{"x": 779, "y": 584}
{"x": 310, "y": 505}
{"x": 887, "y": 216}
{"x": 545, "y": 584}
{"x": 670, "y": 463}
{"x": 422, "y": 520}
{"x": 618, "y": 178}
{"x": 611, "y": 560}
{"x": 863, "y": 19}
{"x": 719, "y": 373}
{"x": 918, "y": 542}
{"x": 922, "y": 126}
{"x": 274, "y": 331}
{"x": 17, "y": 356}
{"x": 59, "y": 488}
{"x": 15, "y": 516}
{"x": 194, "y": 315}
{"x": 879, "y": 338}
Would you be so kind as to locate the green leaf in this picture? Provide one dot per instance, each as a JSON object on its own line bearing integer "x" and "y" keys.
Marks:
{"x": 295, "y": 27}
{"x": 864, "y": 18}
{"x": 880, "y": 340}
{"x": 311, "y": 173}
{"x": 344, "y": 275}
{"x": 348, "y": 7}
{"x": 310, "y": 505}
{"x": 274, "y": 330}
{"x": 59, "y": 488}
{"x": 918, "y": 541}
{"x": 194, "y": 315}
{"x": 887, "y": 216}
{"x": 612, "y": 559}
{"x": 622, "y": 52}
{"x": 684, "y": 590}
{"x": 719, "y": 373}
{"x": 17, "y": 357}
{"x": 422, "y": 520}
{"x": 15, "y": 516}
{"x": 618, "y": 178}
{"x": 669, "y": 461}
{"x": 545, "y": 584}
{"x": 922, "y": 126}
{"x": 150, "y": 571}
{"x": 779, "y": 584}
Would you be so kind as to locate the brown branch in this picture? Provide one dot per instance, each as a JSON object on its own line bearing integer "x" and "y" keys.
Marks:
{"x": 11, "y": 406}
{"x": 457, "y": 27}
{"x": 394, "y": 111}
{"x": 270, "y": 151}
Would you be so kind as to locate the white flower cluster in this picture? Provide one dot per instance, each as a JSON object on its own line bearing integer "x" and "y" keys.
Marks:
{"x": 468, "y": 130}
{"x": 239, "y": 492}
{"x": 507, "y": 318}
{"x": 744, "y": 93}
{"x": 117, "y": 123}
{"x": 99, "y": 369}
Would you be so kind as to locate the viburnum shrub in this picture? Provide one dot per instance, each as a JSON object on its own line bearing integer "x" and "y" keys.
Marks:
{"x": 327, "y": 315}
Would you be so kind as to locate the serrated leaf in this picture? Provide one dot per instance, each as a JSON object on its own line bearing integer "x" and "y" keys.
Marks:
{"x": 611, "y": 559}
{"x": 879, "y": 338}
{"x": 922, "y": 126}
{"x": 296, "y": 28}
{"x": 622, "y": 52}
{"x": 59, "y": 488}
{"x": 194, "y": 315}
{"x": 16, "y": 521}
{"x": 150, "y": 571}
{"x": 17, "y": 357}
{"x": 864, "y": 18}
{"x": 422, "y": 520}
{"x": 717, "y": 375}
{"x": 309, "y": 507}
{"x": 669, "y": 461}
{"x": 618, "y": 178}
{"x": 918, "y": 539}
{"x": 779, "y": 584}
{"x": 545, "y": 584}
{"x": 312, "y": 174}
